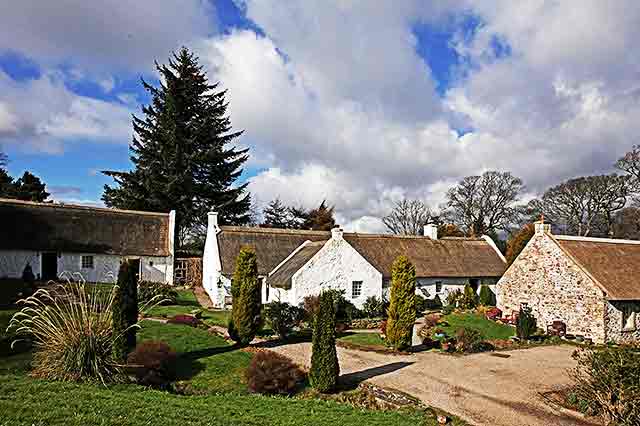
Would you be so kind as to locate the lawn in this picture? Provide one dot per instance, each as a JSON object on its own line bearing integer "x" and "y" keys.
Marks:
{"x": 488, "y": 329}
{"x": 187, "y": 303}
{"x": 211, "y": 369}
{"x": 372, "y": 340}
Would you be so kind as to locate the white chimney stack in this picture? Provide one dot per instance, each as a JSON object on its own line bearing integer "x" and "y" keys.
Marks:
{"x": 542, "y": 228}
{"x": 431, "y": 231}
{"x": 337, "y": 233}
{"x": 212, "y": 222}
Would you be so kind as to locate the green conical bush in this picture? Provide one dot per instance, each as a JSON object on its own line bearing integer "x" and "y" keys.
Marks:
{"x": 469, "y": 299}
{"x": 325, "y": 369}
{"x": 487, "y": 298}
{"x": 402, "y": 306}
{"x": 125, "y": 311}
{"x": 245, "y": 320}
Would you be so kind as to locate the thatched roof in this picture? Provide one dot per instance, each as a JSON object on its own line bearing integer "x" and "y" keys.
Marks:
{"x": 282, "y": 276}
{"x": 271, "y": 245}
{"x": 444, "y": 258}
{"x": 613, "y": 264}
{"x": 81, "y": 229}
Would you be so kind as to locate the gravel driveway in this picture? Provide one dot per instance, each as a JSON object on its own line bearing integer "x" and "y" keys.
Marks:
{"x": 483, "y": 389}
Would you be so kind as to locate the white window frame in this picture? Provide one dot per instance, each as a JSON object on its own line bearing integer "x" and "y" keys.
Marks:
{"x": 83, "y": 263}
{"x": 354, "y": 285}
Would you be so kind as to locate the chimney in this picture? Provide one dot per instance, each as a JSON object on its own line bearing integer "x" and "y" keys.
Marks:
{"x": 542, "y": 228}
{"x": 337, "y": 233}
{"x": 212, "y": 223}
{"x": 431, "y": 231}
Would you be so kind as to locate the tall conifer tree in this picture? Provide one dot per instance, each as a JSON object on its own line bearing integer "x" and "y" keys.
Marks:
{"x": 182, "y": 153}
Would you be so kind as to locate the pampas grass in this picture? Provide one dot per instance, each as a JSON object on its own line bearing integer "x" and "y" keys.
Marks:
{"x": 71, "y": 331}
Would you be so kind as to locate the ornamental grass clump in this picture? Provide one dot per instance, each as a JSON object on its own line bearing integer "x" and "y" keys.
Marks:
{"x": 402, "y": 306}
{"x": 70, "y": 329}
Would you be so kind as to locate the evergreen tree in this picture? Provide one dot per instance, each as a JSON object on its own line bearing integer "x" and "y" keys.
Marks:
{"x": 181, "y": 152}
{"x": 487, "y": 298}
{"x": 125, "y": 311}
{"x": 402, "y": 306}
{"x": 245, "y": 289}
{"x": 320, "y": 219}
{"x": 277, "y": 215}
{"x": 325, "y": 369}
{"x": 469, "y": 299}
{"x": 7, "y": 188}
{"x": 30, "y": 188}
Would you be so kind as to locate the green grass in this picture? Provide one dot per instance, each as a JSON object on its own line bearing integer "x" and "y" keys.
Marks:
{"x": 187, "y": 303}
{"x": 488, "y": 329}
{"x": 364, "y": 339}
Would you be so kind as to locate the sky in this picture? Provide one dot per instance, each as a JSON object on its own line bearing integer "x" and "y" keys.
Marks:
{"x": 360, "y": 103}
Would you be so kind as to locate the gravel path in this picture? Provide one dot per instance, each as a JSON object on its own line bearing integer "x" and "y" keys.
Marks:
{"x": 483, "y": 389}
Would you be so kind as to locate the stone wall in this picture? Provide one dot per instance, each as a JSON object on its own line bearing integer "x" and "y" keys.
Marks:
{"x": 555, "y": 288}
{"x": 615, "y": 331}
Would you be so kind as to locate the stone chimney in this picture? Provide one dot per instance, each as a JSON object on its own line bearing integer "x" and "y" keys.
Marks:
{"x": 431, "y": 231}
{"x": 542, "y": 228}
{"x": 337, "y": 233}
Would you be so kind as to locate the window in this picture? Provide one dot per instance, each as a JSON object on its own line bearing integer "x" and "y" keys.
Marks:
{"x": 87, "y": 262}
{"x": 356, "y": 289}
{"x": 181, "y": 271}
{"x": 438, "y": 286}
{"x": 628, "y": 319}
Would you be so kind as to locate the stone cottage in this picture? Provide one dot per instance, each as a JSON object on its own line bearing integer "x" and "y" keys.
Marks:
{"x": 294, "y": 264}
{"x": 61, "y": 238}
{"x": 587, "y": 283}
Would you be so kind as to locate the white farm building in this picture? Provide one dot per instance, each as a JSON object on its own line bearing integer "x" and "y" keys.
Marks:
{"x": 59, "y": 238}
{"x": 293, "y": 264}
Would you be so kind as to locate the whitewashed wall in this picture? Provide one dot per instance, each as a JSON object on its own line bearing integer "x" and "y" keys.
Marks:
{"x": 335, "y": 266}
{"x": 105, "y": 267}
{"x": 426, "y": 287}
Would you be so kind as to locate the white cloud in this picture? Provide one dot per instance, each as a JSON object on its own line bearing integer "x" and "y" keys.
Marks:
{"x": 58, "y": 116}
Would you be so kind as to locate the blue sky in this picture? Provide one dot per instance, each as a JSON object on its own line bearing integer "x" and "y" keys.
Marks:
{"x": 362, "y": 103}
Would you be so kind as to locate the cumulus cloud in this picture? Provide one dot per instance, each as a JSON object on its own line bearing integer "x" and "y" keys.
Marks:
{"x": 58, "y": 116}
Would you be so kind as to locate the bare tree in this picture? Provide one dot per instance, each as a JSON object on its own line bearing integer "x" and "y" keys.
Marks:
{"x": 485, "y": 204}
{"x": 585, "y": 205}
{"x": 408, "y": 217}
{"x": 630, "y": 163}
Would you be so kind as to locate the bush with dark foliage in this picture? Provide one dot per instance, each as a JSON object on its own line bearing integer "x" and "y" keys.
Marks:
{"x": 271, "y": 373}
{"x": 325, "y": 369}
{"x": 125, "y": 311}
{"x": 282, "y": 317}
{"x": 156, "y": 292}
{"x": 487, "y": 297}
{"x": 402, "y": 306}
{"x": 469, "y": 299}
{"x": 374, "y": 307}
{"x": 607, "y": 383}
{"x": 246, "y": 318}
{"x": 153, "y": 364}
{"x": 184, "y": 319}
{"x": 526, "y": 325}
{"x": 469, "y": 340}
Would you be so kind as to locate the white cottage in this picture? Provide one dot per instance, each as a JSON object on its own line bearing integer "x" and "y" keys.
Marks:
{"x": 294, "y": 264}
{"x": 60, "y": 238}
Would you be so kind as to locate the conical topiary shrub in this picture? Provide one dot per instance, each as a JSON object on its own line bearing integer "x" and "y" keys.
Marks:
{"x": 469, "y": 299}
{"x": 325, "y": 369}
{"x": 125, "y": 311}
{"x": 487, "y": 298}
{"x": 402, "y": 306}
{"x": 245, "y": 289}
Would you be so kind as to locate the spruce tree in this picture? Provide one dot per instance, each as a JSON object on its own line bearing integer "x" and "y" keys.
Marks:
{"x": 30, "y": 188}
{"x": 245, "y": 319}
{"x": 182, "y": 152}
{"x": 325, "y": 369}
{"x": 402, "y": 306}
{"x": 277, "y": 215}
{"x": 125, "y": 311}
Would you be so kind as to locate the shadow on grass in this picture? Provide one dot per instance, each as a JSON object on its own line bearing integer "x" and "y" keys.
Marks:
{"x": 188, "y": 364}
{"x": 351, "y": 381}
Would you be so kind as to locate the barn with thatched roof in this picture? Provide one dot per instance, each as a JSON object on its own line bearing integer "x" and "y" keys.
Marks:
{"x": 294, "y": 264}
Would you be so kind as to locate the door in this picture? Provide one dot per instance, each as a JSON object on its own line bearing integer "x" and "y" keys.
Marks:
{"x": 49, "y": 262}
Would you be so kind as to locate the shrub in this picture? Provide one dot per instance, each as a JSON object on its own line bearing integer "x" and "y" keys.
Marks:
{"x": 493, "y": 314}
{"x": 184, "y": 319}
{"x": 151, "y": 292}
{"x": 70, "y": 328}
{"x": 526, "y": 324}
{"x": 374, "y": 307}
{"x": 154, "y": 363}
{"x": 325, "y": 369}
{"x": 271, "y": 373}
{"x": 125, "y": 311}
{"x": 383, "y": 328}
{"x": 468, "y": 340}
{"x": 487, "y": 297}
{"x": 432, "y": 304}
{"x": 29, "y": 281}
{"x": 310, "y": 305}
{"x": 448, "y": 309}
{"x": 246, "y": 308}
{"x": 421, "y": 304}
{"x": 282, "y": 317}
{"x": 607, "y": 383}
{"x": 12, "y": 290}
{"x": 469, "y": 299}
{"x": 402, "y": 309}
{"x": 453, "y": 298}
